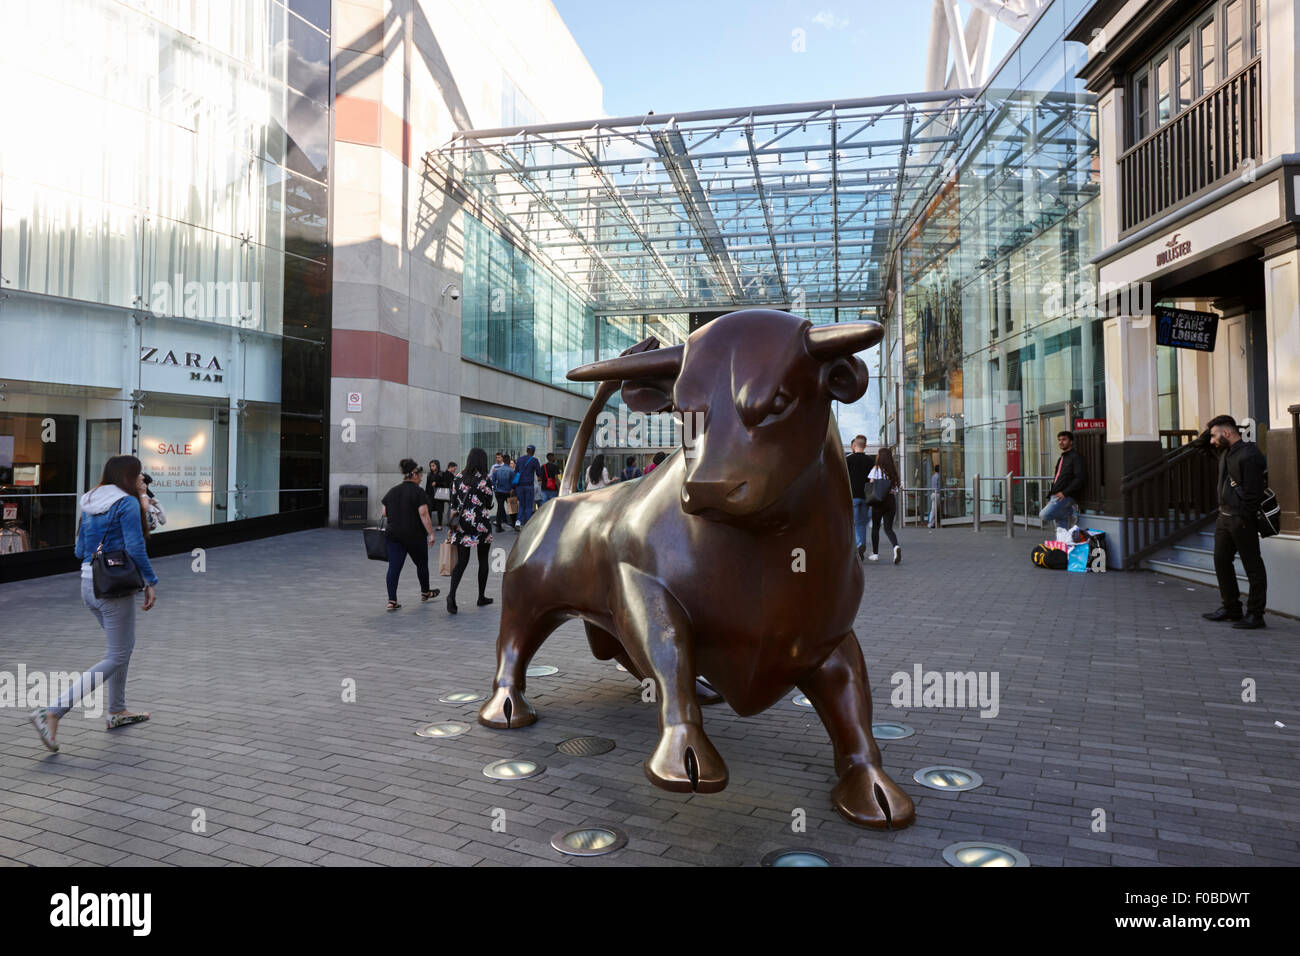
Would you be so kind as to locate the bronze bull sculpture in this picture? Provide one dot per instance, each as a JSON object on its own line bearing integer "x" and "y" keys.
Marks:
{"x": 695, "y": 569}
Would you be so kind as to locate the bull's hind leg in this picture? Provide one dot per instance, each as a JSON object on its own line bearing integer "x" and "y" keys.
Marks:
{"x": 658, "y": 639}
{"x": 839, "y": 690}
{"x": 605, "y": 646}
{"x": 522, "y": 633}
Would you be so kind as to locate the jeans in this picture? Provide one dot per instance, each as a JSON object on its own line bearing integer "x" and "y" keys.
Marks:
{"x": 548, "y": 495}
{"x": 397, "y": 553}
{"x": 1061, "y": 510}
{"x": 877, "y": 516}
{"x": 933, "y": 521}
{"x": 1235, "y": 535}
{"x": 462, "y": 562}
{"x": 861, "y": 515}
{"x": 502, "y": 498}
{"x": 117, "y": 617}
{"x": 525, "y": 495}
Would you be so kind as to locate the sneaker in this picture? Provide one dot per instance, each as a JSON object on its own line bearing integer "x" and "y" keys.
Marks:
{"x": 114, "y": 721}
{"x": 898, "y": 554}
{"x": 873, "y": 557}
{"x": 39, "y": 720}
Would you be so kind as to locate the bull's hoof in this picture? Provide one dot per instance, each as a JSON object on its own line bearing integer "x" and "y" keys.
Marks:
{"x": 705, "y": 693}
{"x": 686, "y": 762}
{"x": 867, "y": 797}
{"x": 507, "y": 710}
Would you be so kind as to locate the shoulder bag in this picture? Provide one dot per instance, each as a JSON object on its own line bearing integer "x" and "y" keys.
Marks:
{"x": 114, "y": 573}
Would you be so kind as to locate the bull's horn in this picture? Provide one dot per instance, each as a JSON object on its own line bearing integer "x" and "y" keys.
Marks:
{"x": 653, "y": 364}
{"x": 843, "y": 338}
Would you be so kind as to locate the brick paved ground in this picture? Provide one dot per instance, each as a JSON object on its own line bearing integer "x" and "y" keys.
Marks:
{"x": 1114, "y": 695}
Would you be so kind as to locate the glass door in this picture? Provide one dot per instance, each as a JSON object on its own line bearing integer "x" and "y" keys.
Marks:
{"x": 103, "y": 441}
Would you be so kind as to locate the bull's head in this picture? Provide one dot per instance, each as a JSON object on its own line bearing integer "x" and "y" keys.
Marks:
{"x": 763, "y": 382}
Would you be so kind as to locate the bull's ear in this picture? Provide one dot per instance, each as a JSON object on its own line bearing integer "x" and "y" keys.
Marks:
{"x": 648, "y": 396}
{"x": 844, "y": 379}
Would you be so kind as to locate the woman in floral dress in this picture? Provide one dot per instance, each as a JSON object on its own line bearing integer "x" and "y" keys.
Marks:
{"x": 470, "y": 523}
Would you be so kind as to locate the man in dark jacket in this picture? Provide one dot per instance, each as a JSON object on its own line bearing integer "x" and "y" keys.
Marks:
{"x": 1243, "y": 477}
{"x": 526, "y": 468}
{"x": 860, "y": 465}
{"x": 1071, "y": 475}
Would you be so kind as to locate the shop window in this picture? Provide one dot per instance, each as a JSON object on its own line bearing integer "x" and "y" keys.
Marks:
{"x": 38, "y": 480}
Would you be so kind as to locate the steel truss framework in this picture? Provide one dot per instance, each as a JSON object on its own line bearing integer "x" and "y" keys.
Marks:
{"x": 796, "y": 205}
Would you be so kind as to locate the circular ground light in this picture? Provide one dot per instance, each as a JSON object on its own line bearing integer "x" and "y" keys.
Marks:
{"x": 980, "y": 853}
{"x": 585, "y": 746}
{"x": 515, "y": 768}
{"x": 801, "y": 701}
{"x": 462, "y": 697}
{"x": 589, "y": 841}
{"x": 620, "y": 667}
{"x": 889, "y": 730}
{"x": 799, "y": 858}
{"x": 541, "y": 670}
{"x": 446, "y": 728}
{"x": 955, "y": 779}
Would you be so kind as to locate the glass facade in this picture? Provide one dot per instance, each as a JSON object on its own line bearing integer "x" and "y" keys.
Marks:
{"x": 164, "y": 256}
{"x": 519, "y": 317}
{"x": 1001, "y": 336}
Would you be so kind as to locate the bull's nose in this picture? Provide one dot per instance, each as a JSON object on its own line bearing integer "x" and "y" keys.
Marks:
{"x": 700, "y": 496}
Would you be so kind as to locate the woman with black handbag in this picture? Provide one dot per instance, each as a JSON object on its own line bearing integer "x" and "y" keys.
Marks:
{"x": 410, "y": 531}
{"x": 115, "y": 567}
{"x": 882, "y": 482}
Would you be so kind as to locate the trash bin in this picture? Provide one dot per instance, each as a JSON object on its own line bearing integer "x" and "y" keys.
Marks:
{"x": 354, "y": 506}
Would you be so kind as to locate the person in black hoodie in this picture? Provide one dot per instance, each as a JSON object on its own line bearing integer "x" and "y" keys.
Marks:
{"x": 1243, "y": 478}
{"x": 1071, "y": 476}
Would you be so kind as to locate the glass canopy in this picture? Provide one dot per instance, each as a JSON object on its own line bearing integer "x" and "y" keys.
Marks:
{"x": 792, "y": 206}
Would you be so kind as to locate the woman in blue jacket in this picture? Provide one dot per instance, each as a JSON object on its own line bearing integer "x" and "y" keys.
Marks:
{"x": 112, "y": 515}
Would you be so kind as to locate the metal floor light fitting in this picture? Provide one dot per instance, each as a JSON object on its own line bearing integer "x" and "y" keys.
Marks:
{"x": 513, "y": 768}
{"x": 983, "y": 853}
{"x": 890, "y": 730}
{"x": 585, "y": 746}
{"x": 944, "y": 777}
{"x": 462, "y": 697}
{"x": 799, "y": 857}
{"x": 446, "y": 728}
{"x": 589, "y": 841}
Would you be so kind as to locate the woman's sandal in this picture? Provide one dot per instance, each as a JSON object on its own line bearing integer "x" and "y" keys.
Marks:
{"x": 39, "y": 718}
{"x": 392, "y": 606}
{"x": 428, "y": 595}
{"x": 121, "y": 720}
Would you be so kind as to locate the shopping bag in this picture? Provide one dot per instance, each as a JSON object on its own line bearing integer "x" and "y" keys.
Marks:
{"x": 1078, "y": 560}
{"x": 445, "y": 559}
{"x": 376, "y": 541}
{"x": 512, "y": 505}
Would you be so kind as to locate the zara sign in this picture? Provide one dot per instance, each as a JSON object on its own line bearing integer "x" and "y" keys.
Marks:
{"x": 200, "y": 371}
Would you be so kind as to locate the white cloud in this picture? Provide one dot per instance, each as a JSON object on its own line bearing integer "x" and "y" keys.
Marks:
{"x": 827, "y": 19}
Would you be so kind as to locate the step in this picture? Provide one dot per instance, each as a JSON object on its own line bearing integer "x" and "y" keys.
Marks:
{"x": 1187, "y": 573}
{"x": 1195, "y": 557}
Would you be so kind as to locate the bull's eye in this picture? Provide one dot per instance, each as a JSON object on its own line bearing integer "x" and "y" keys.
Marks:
{"x": 779, "y": 407}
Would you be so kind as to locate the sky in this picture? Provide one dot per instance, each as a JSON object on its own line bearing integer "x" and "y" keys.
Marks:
{"x": 678, "y": 55}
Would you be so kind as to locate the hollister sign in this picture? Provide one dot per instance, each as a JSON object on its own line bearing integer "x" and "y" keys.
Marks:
{"x": 1174, "y": 249}
{"x": 1183, "y": 329}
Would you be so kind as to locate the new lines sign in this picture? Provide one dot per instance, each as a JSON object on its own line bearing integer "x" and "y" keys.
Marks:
{"x": 1184, "y": 329}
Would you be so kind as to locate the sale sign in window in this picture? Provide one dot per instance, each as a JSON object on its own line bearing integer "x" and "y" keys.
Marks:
{"x": 177, "y": 454}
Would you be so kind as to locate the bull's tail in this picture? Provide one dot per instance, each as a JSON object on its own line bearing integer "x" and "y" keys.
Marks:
{"x": 604, "y": 392}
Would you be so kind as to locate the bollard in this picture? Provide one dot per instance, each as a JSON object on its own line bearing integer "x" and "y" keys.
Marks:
{"x": 976, "y": 515}
{"x": 1011, "y": 508}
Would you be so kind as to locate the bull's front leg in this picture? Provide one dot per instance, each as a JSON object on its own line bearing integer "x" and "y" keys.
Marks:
{"x": 842, "y": 696}
{"x": 656, "y": 633}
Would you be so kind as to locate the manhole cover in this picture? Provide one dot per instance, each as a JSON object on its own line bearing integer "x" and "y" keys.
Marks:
{"x": 948, "y": 778}
{"x": 585, "y": 746}
{"x": 447, "y": 728}
{"x": 541, "y": 670}
{"x": 889, "y": 730}
{"x": 801, "y": 701}
{"x": 589, "y": 841}
{"x": 979, "y": 853}
{"x": 798, "y": 858}
{"x": 515, "y": 768}
{"x": 462, "y": 697}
